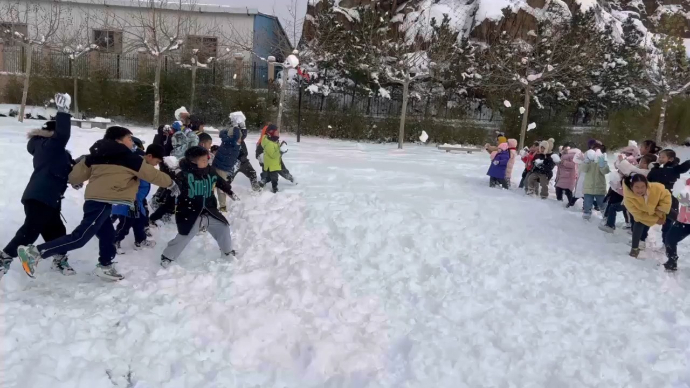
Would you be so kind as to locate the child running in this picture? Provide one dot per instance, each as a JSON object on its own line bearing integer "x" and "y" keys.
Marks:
{"x": 197, "y": 207}
{"x": 272, "y": 157}
{"x": 648, "y": 203}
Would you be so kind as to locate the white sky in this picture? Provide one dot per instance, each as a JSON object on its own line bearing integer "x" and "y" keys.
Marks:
{"x": 280, "y": 8}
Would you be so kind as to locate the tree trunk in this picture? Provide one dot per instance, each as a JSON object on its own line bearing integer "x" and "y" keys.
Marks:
{"x": 403, "y": 113}
{"x": 191, "y": 105}
{"x": 156, "y": 93}
{"x": 27, "y": 77}
{"x": 76, "y": 104}
{"x": 525, "y": 118}
{"x": 281, "y": 100}
{"x": 662, "y": 119}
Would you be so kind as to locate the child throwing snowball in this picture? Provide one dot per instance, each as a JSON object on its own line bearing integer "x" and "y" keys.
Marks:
{"x": 499, "y": 164}
{"x": 542, "y": 172}
{"x": 594, "y": 189}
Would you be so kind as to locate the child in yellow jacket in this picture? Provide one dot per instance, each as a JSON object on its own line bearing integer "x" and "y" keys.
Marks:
{"x": 272, "y": 157}
{"x": 648, "y": 204}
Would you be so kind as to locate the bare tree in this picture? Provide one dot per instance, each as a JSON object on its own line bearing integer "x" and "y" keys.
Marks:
{"x": 29, "y": 24}
{"x": 74, "y": 42}
{"x": 554, "y": 63}
{"x": 667, "y": 69}
{"x": 155, "y": 27}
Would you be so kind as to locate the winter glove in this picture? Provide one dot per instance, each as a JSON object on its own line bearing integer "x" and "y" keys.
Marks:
{"x": 78, "y": 187}
{"x": 174, "y": 190}
{"x": 495, "y": 162}
{"x": 234, "y": 197}
{"x": 538, "y": 162}
{"x": 63, "y": 102}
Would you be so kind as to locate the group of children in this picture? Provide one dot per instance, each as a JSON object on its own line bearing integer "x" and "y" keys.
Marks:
{"x": 120, "y": 173}
{"x": 641, "y": 187}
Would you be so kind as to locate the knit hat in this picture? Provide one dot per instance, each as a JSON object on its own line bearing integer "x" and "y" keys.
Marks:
{"x": 138, "y": 142}
{"x": 49, "y": 125}
{"x": 503, "y": 146}
{"x": 545, "y": 145}
{"x": 272, "y": 130}
{"x": 116, "y": 133}
{"x": 177, "y": 126}
{"x": 512, "y": 143}
{"x": 502, "y": 139}
{"x": 179, "y": 112}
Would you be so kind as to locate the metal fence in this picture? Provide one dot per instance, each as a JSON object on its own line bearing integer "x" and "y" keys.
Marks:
{"x": 129, "y": 67}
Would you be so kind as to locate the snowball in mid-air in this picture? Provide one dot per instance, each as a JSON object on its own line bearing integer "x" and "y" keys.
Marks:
{"x": 291, "y": 61}
{"x": 522, "y": 110}
{"x": 531, "y": 126}
{"x": 507, "y": 103}
{"x": 424, "y": 137}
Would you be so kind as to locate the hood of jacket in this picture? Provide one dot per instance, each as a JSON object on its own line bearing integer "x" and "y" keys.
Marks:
{"x": 107, "y": 152}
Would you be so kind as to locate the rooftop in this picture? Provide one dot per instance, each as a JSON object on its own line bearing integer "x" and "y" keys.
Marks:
{"x": 171, "y": 5}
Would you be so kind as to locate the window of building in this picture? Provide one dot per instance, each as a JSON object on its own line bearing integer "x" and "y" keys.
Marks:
{"x": 108, "y": 40}
{"x": 10, "y": 32}
{"x": 207, "y": 46}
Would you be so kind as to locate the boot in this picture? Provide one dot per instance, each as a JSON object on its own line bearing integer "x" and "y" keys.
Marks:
{"x": 29, "y": 256}
{"x": 165, "y": 262}
{"x": 634, "y": 252}
{"x": 148, "y": 232}
{"x": 606, "y": 228}
{"x": 255, "y": 185}
{"x": 108, "y": 272}
{"x": 60, "y": 264}
{"x": 5, "y": 261}
{"x": 144, "y": 244}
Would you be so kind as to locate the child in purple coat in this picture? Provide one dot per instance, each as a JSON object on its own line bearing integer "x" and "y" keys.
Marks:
{"x": 499, "y": 163}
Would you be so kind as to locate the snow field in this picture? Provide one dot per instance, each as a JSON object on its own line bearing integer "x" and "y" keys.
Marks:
{"x": 382, "y": 268}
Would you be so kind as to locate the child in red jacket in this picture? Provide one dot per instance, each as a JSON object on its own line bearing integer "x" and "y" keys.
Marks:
{"x": 527, "y": 155}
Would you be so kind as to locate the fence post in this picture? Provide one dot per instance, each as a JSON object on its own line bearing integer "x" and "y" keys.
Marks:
{"x": 239, "y": 58}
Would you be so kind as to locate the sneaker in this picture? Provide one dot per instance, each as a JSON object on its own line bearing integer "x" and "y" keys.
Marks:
{"x": 118, "y": 248}
{"x": 223, "y": 209}
{"x": 586, "y": 216}
{"x": 60, "y": 264}
{"x": 144, "y": 244}
{"x": 108, "y": 272}
{"x": 671, "y": 266}
{"x": 165, "y": 262}
{"x": 5, "y": 261}
{"x": 29, "y": 257}
{"x": 256, "y": 186}
{"x": 606, "y": 228}
{"x": 634, "y": 253}
{"x": 231, "y": 255}
{"x": 627, "y": 225}
{"x": 148, "y": 232}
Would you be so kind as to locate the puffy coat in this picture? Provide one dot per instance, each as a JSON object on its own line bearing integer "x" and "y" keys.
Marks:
{"x": 139, "y": 208}
{"x": 645, "y": 211}
{"x": 182, "y": 141}
{"x": 669, "y": 173}
{"x": 499, "y": 165}
{"x": 529, "y": 161}
{"x": 271, "y": 155}
{"x": 113, "y": 172}
{"x": 512, "y": 144}
{"x": 229, "y": 150}
{"x": 595, "y": 178}
{"x": 52, "y": 163}
{"x": 566, "y": 176}
{"x": 546, "y": 167}
{"x": 197, "y": 186}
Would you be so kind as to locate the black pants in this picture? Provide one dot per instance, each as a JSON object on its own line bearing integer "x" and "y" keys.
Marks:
{"x": 524, "y": 178}
{"x": 166, "y": 207}
{"x": 670, "y": 219}
{"x": 138, "y": 224}
{"x": 42, "y": 220}
{"x": 246, "y": 169}
{"x": 677, "y": 232}
{"x": 568, "y": 194}
{"x": 271, "y": 176}
{"x": 494, "y": 182}
{"x": 640, "y": 232}
{"x": 284, "y": 172}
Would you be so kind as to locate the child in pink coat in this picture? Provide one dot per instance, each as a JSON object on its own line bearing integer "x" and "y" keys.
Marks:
{"x": 566, "y": 176}
{"x": 512, "y": 147}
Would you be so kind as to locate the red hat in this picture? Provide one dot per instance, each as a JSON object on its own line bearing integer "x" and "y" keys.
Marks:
{"x": 272, "y": 130}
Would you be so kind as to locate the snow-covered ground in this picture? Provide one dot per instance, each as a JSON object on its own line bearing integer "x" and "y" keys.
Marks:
{"x": 382, "y": 268}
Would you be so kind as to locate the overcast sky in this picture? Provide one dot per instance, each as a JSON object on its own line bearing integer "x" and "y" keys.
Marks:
{"x": 278, "y": 8}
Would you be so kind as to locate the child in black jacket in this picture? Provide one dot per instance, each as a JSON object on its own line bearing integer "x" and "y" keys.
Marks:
{"x": 667, "y": 172}
{"x": 197, "y": 207}
{"x": 542, "y": 172}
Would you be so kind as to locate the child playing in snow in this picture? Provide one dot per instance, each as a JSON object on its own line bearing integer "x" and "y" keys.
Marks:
{"x": 626, "y": 166}
{"x": 527, "y": 155}
{"x": 197, "y": 207}
{"x": 512, "y": 148}
{"x": 595, "y": 167}
{"x": 499, "y": 164}
{"x": 648, "y": 203}
{"x": 542, "y": 172}
{"x": 229, "y": 151}
{"x": 135, "y": 218}
{"x": 566, "y": 176}
{"x": 182, "y": 139}
{"x": 679, "y": 230}
{"x": 667, "y": 172}
{"x": 272, "y": 157}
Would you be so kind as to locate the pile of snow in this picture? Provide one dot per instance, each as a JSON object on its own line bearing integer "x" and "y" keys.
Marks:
{"x": 100, "y": 120}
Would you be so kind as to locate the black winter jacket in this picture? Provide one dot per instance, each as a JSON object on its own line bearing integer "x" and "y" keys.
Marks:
{"x": 197, "y": 195}
{"x": 669, "y": 173}
{"x": 546, "y": 167}
{"x": 52, "y": 163}
{"x": 164, "y": 139}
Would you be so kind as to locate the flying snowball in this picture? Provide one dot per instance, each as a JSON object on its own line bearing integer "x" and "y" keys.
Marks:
{"x": 424, "y": 137}
{"x": 329, "y": 127}
{"x": 507, "y": 103}
{"x": 522, "y": 110}
{"x": 531, "y": 126}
